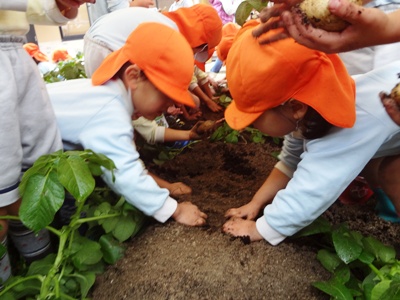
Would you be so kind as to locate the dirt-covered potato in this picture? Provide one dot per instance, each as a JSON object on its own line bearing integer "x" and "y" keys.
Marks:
{"x": 205, "y": 127}
{"x": 317, "y": 14}
{"x": 395, "y": 94}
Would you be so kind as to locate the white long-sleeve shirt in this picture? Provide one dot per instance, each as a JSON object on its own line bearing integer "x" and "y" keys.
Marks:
{"x": 324, "y": 167}
{"x": 16, "y": 15}
{"x": 99, "y": 118}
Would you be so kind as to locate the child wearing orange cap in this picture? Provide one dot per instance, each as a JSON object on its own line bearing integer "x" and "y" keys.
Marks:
{"x": 27, "y": 122}
{"x": 60, "y": 55}
{"x": 39, "y": 57}
{"x": 333, "y": 126}
{"x": 96, "y": 113}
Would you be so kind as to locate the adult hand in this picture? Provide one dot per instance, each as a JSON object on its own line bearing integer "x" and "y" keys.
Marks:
{"x": 69, "y": 8}
{"x": 367, "y": 26}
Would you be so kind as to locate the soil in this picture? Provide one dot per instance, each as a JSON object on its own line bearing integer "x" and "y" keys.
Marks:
{"x": 172, "y": 261}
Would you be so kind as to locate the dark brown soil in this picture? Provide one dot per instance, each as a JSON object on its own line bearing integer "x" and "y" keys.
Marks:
{"x": 171, "y": 261}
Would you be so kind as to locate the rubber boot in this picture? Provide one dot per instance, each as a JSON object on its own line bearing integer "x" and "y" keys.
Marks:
{"x": 5, "y": 266}
{"x": 385, "y": 208}
{"x": 31, "y": 246}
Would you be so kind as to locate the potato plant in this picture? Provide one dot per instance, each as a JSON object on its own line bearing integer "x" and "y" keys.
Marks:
{"x": 362, "y": 267}
{"x": 70, "y": 272}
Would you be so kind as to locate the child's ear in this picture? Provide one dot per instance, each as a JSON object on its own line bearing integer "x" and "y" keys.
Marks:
{"x": 131, "y": 75}
{"x": 299, "y": 109}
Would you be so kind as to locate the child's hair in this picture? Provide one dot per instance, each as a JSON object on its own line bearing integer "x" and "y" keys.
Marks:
{"x": 313, "y": 125}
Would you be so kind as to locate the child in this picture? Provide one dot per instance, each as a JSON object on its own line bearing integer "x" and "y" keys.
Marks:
{"x": 199, "y": 24}
{"x": 27, "y": 122}
{"x": 60, "y": 54}
{"x": 96, "y": 114}
{"x": 331, "y": 133}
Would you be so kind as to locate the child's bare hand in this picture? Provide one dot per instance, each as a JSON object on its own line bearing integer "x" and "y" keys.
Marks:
{"x": 189, "y": 214}
{"x": 391, "y": 106}
{"x": 248, "y": 211}
{"x": 214, "y": 107}
{"x": 178, "y": 189}
{"x": 239, "y": 227}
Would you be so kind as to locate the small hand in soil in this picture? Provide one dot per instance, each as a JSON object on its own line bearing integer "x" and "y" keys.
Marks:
{"x": 239, "y": 227}
{"x": 248, "y": 211}
{"x": 214, "y": 107}
{"x": 189, "y": 214}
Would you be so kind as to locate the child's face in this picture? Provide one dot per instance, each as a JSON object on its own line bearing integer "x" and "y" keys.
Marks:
{"x": 148, "y": 101}
{"x": 276, "y": 122}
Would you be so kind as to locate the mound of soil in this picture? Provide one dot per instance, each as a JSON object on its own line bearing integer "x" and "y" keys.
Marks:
{"x": 171, "y": 261}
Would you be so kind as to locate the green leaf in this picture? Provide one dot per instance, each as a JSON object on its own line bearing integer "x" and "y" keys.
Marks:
{"x": 126, "y": 227}
{"x": 329, "y": 260}
{"x": 379, "y": 289}
{"x": 41, "y": 266}
{"x": 393, "y": 292}
{"x": 346, "y": 246}
{"x": 43, "y": 197}
{"x": 89, "y": 253}
{"x": 320, "y": 225}
{"x": 111, "y": 248}
{"x": 86, "y": 280}
{"x": 243, "y": 12}
{"x": 335, "y": 289}
{"x": 75, "y": 176}
{"x": 382, "y": 252}
{"x": 258, "y": 5}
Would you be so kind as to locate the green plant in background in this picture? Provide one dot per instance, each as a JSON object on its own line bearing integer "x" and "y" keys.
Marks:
{"x": 246, "y": 7}
{"x": 362, "y": 267}
{"x": 228, "y": 135}
{"x": 70, "y": 69}
{"x": 71, "y": 271}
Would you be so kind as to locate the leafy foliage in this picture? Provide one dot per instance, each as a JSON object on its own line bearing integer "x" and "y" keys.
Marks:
{"x": 246, "y": 7}
{"x": 70, "y": 69}
{"x": 88, "y": 241}
{"x": 361, "y": 267}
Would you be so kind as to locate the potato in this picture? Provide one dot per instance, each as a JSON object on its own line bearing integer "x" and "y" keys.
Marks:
{"x": 317, "y": 14}
{"x": 395, "y": 94}
{"x": 205, "y": 127}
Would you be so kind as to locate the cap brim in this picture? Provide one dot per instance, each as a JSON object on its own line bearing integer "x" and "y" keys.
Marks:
{"x": 238, "y": 119}
{"x": 177, "y": 94}
{"x": 109, "y": 67}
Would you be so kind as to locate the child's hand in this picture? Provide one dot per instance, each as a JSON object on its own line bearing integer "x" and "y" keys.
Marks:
{"x": 391, "y": 106}
{"x": 189, "y": 214}
{"x": 248, "y": 211}
{"x": 240, "y": 228}
{"x": 178, "y": 189}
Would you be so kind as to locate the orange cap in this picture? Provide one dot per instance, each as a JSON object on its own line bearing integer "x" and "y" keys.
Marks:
{"x": 261, "y": 77}
{"x": 229, "y": 31}
{"x": 33, "y": 51}
{"x": 199, "y": 24}
{"x": 60, "y": 55}
{"x": 161, "y": 53}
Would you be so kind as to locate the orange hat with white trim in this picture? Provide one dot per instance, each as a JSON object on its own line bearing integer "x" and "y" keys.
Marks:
{"x": 60, "y": 55}
{"x": 34, "y": 51}
{"x": 261, "y": 77}
{"x": 199, "y": 24}
{"x": 162, "y": 53}
{"x": 229, "y": 31}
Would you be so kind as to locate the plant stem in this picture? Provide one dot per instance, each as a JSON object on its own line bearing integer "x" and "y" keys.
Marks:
{"x": 20, "y": 281}
{"x": 376, "y": 271}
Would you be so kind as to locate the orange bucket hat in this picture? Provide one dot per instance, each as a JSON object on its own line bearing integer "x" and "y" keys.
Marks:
{"x": 60, "y": 55}
{"x": 162, "y": 53}
{"x": 261, "y": 77}
{"x": 229, "y": 31}
{"x": 33, "y": 51}
{"x": 199, "y": 24}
